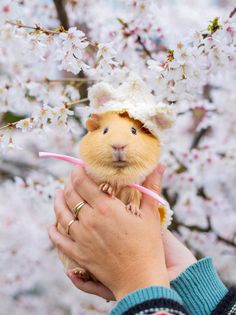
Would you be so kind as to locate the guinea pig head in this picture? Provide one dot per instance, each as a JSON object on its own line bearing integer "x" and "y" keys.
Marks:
{"x": 119, "y": 145}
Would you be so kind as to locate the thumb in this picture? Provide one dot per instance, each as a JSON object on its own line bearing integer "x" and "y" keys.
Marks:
{"x": 153, "y": 182}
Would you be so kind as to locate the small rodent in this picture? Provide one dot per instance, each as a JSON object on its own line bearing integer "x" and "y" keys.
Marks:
{"x": 117, "y": 150}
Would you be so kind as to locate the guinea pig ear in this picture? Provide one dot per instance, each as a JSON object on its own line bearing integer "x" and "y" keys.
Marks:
{"x": 93, "y": 122}
{"x": 164, "y": 117}
{"x": 99, "y": 94}
{"x": 162, "y": 122}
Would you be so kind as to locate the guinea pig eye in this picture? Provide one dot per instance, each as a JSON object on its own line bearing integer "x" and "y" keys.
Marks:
{"x": 133, "y": 130}
{"x": 105, "y": 130}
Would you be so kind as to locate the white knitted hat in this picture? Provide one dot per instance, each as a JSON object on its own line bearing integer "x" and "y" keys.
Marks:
{"x": 134, "y": 97}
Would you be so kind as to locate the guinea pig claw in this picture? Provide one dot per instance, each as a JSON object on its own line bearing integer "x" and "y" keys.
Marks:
{"x": 81, "y": 273}
{"x": 109, "y": 190}
{"x": 106, "y": 188}
{"x": 133, "y": 209}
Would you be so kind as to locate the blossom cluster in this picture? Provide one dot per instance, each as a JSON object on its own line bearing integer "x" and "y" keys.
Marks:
{"x": 191, "y": 65}
{"x": 184, "y": 51}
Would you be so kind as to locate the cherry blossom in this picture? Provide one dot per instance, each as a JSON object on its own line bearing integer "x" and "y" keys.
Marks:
{"x": 70, "y": 50}
{"x": 185, "y": 53}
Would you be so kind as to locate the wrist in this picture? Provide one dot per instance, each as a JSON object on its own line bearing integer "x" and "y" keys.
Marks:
{"x": 182, "y": 267}
{"x": 140, "y": 280}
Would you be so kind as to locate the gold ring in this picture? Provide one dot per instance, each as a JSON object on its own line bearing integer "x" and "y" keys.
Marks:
{"x": 77, "y": 208}
{"x": 68, "y": 226}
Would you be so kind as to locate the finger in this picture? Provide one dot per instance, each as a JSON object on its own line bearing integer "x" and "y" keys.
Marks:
{"x": 91, "y": 287}
{"x": 87, "y": 189}
{"x": 153, "y": 182}
{"x": 63, "y": 213}
{"x": 64, "y": 244}
{"x": 72, "y": 198}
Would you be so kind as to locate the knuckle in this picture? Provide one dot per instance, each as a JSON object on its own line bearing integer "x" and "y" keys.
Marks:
{"x": 87, "y": 221}
{"x": 103, "y": 207}
{"x": 67, "y": 192}
{"x": 154, "y": 186}
{"x": 77, "y": 176}
{"x": 77, "y": 181}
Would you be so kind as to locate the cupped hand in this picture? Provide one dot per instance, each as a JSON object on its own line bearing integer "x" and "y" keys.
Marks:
{"x": 123, "y": 251}
{"x": 91, "y": 287}
{"x": 178, "y": 256}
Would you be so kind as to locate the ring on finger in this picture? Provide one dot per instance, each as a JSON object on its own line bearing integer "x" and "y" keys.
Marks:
{"x": 69, "y": 225}
{"x": 77, "y": 208}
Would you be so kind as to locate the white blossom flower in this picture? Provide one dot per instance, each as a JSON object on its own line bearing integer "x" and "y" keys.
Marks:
{"x": 26, "y": 124}
{"x": 73, "y": 39}
{"x": 71, "y": 62}
{"x": 43, "y": 114}
{"x": 59, "y": 115}
{"x": 186, "y": 66}
{"x": 70, "y": 51}
{"x": 106, "y": 58}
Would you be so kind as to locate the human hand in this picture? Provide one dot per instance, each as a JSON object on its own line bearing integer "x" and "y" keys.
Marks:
{"x": 110, "y": 242}
{"x": 91, "y": 287}
{"x": 88, "y": 286}
{"x": 178, "y": 256}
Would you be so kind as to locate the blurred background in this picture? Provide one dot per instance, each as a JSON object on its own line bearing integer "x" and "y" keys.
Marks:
{"x": 185, "y": 51}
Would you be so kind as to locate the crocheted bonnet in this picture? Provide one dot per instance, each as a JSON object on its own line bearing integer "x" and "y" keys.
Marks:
{"x": 134, "y": 97}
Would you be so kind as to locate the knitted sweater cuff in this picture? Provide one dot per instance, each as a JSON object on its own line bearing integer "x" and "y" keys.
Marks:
{"x": 143, "y": 295}
{"x": 200, "y": 287}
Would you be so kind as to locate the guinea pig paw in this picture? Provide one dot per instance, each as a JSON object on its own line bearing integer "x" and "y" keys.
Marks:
{"x": 81, "y": 273}
{"x": 106, "y": 188}
{"x": 133, "y": 209}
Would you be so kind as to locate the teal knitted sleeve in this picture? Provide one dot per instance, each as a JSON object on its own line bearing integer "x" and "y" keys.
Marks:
{"x": 150, "y": 300}
{"x": 200, "y": 287}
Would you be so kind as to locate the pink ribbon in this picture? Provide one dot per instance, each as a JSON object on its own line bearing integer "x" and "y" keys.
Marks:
{"x": 149, "y": 192}
{"x": 76, "y": 161}
{"x": 66, "y": 158}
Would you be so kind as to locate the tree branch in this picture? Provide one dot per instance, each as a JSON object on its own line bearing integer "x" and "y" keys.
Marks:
{"x": 139, "y": 40}
{"x": 63, "y": 17}
{"x": 66, "y": 104}
{"x": 61, "y": 13}
{"x": 177, "y": 225}
{"x": 232, "y": 13}
{"x": 67, "y": 80}
{"x": 198, "y": 136}
{"x": 36, "y": 28}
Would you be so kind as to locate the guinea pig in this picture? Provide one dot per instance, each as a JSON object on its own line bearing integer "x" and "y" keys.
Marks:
{"x": 117, "y": 150}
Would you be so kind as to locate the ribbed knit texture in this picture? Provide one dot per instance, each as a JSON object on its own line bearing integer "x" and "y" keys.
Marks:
{"x": 142, "y": 295}
{"x": 200, "y": 287}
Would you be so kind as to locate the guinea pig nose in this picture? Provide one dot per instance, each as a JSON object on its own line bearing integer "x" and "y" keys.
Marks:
{"x": 118, "y": 147}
